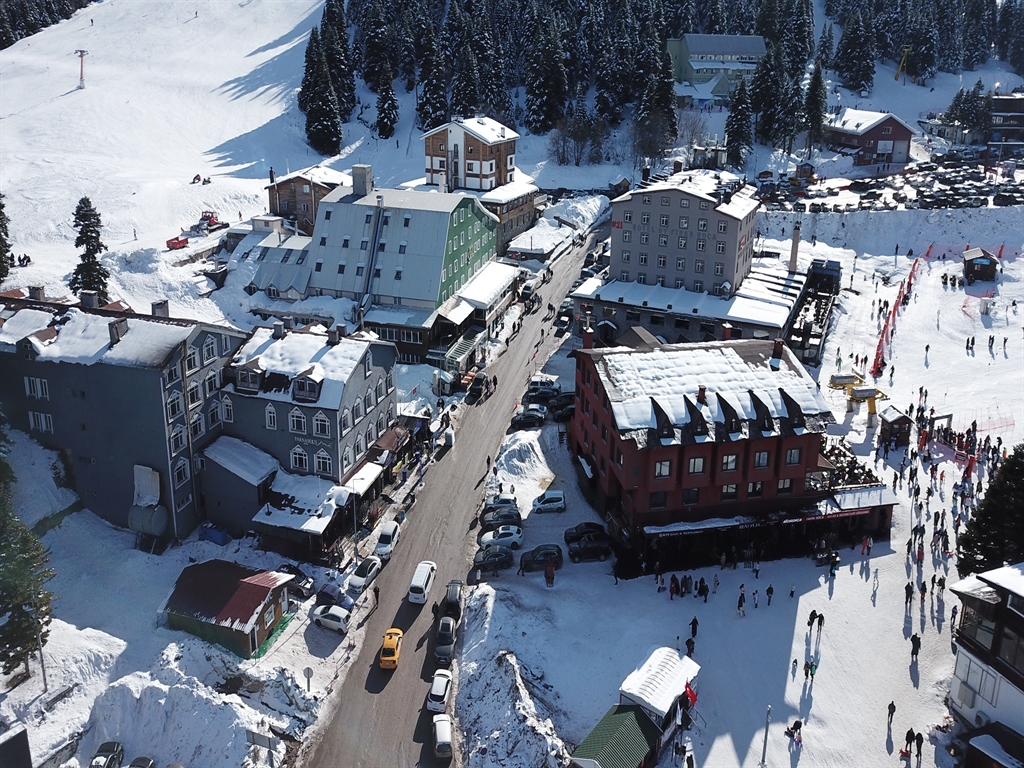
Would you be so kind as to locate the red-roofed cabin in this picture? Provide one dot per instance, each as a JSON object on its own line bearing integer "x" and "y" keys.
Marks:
{"x": 228, "y": 604}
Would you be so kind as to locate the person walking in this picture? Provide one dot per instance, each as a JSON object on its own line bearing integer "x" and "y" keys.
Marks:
{"x": 915, "y": 646}
{"x": 754, "y": 595}
{"x": 769, "y": 592}
{"x": 673, "y": 587}
{"x": 892, "y": 710}
{"x": 814, "y": 669}
{"x": 716, "y": 582}
{"x": 952, "y": 615}
{"x": 376, "y": 596}
{"x": 871, "y": 542}
{"x": 919, "y": 740}
{"x": 821, "y": 622}
{"x": 792, "y": 589}
{"x": 807, "y": 669}
{"x": 488, "y": 462}
{"x": 739, "y": 605}
{"x": 693, "y": 627}
{"x": 813, "y": 617}
{"x": 910, "y": 738}
{"x": 690, "y": 646}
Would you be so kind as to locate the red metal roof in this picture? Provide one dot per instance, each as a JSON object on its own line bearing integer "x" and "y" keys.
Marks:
{"x": 225, "y": 593}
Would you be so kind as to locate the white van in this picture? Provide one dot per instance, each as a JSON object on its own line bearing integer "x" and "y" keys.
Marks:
{"x": 389, "y": 534}
{"x": 442, "y": 737}
{"x": 422, "y": 581}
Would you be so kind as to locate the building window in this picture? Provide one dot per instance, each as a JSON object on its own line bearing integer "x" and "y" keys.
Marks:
{"x": 698, "y": 264}
{"x": 197, "y": 425}
{"x": 980, "y": 629}
{"x": 624, "y": 276}
{"x": 194, "y": 396}
{"x": 192, "y": 359}
{"x": 345, "y": 424}
{"x": 681, "y": 265}
{"x": 173, "y": 374}
{"x": 321, "y": 425}
{"x": 697, "y": 466}
{"x": 270, "y": 416}
{"x": 627, "y": 236}
{"x": 627, "y": 216}
{"x": 641, "y": 277}
{"x": 886, "y": 130}
{"x": 405, "y": 220}
{"x": 755, "y": 489}
{"x": 644, "y": 238}
{"x": 357, "y": 410}
{"x": 181, "y": 472}
{"x": 1011, "y": 649}
{"x": 793, "y": 456}
{"x": 703, "y": 205}
{"x": 702, "y": 225}
{"x": 723, "y": 227}
{"x": 663, "y": 241}
{"x": 684, "y": 222}
{"x": 719, "y": 266}
{"x": 211, "y": 382}
{"x": 785, "y": 485}
{"x": 761, "y": 459}
{"x": 646, "y": 199}
{"x": 645, "y": 218}
{"x": 729, "y": 463}
{"x": 177, "y": 439}
{"x": 659, "y": 499}
{"x": 642, "y": 259}
{"x": 679, "y": 282}
{"x": 345, "y": 241}
{"x": 729, "y": 492}
{"x": 300, "y": 459}
{"x": 698, "y": 286}
{"x": 227, "y": 410}
{"x": 691, "y": 495}
{"x": 174, "y": 406}
{"x": 625, "y": 257}
{"x": 323, "y": 463}
{"x": 214, "y": 413}
{"x": 662, "y": 261}
{"x": 664, "y": 219}
{"x": 720, "y": 247}
{"x": 359, "y": 446}
{"x": 684, "y": 203}
{"x": 663, "y": 469}
{"x": 346, "y": 459}
{"x": 297, "y": 421}
{"x": 37, "y": 388}
{"x": 40, "y": 422}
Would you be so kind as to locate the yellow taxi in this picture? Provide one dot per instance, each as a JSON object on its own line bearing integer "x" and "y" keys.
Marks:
{"x": 391, "y": 648}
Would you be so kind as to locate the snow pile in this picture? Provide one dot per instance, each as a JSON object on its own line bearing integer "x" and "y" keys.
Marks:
{"x": 521, "y": 462}
{"x": 505, "y": 713}
{"x": 42, "y": 497}
{"x": 548, "y": 234}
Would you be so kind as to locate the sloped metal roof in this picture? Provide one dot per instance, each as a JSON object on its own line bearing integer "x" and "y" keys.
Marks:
{"x": 724, "y": 45}
{"x": 622, "y": 739}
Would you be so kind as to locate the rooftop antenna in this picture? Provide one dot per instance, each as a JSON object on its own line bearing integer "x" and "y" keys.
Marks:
{"x": 81, "y": 68}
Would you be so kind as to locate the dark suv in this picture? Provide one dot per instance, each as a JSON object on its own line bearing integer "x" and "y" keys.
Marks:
{"x": 593, "y": 547}
{"x": 537, "y": 558}
{"x": 452, "y": 605}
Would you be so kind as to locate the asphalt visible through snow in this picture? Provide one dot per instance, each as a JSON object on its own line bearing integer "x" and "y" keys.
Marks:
{"x": 382, "y": 719}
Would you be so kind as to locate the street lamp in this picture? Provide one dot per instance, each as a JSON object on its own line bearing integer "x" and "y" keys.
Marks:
{"x": 764, "y": 749}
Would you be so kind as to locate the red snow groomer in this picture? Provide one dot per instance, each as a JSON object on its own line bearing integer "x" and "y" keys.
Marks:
{"x": 212, "y": 222}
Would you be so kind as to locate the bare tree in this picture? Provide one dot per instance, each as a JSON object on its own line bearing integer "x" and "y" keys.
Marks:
{"x": 559, "y": 144}
{"x": 692, "y": 128}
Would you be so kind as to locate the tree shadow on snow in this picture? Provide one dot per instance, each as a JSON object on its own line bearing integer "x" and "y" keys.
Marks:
{"x": 250, "y": 154}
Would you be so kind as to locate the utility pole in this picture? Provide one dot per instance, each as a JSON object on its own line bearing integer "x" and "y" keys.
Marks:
{"x": 81, "y": 68}
{"x": 42, "y": 662}
{"x": 764, "y": 749}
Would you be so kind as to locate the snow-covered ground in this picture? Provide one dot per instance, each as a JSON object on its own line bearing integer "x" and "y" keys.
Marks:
{"x": 171, "y": 93}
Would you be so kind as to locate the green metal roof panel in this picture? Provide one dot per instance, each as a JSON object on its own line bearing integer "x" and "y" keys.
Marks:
{"x": 621, "y": 740}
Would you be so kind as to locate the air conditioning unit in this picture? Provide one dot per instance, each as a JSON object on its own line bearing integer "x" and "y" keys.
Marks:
{"x": 982, "y": 719}
{"x": 966, "y": 695}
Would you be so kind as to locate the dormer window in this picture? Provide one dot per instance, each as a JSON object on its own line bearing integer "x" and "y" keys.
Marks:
{"x": 248, "y": 379}
{"x": 368, "y": 362}
{"x": 192, "y": 359}
{"x": 305, "y": 389}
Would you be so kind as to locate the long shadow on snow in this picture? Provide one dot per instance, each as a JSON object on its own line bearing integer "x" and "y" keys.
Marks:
{"x": 251, "y": 154}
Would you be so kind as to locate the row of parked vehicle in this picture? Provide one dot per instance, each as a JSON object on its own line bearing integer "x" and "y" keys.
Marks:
{"x": 544, "y": 396}
{"x": 111, "y": 755}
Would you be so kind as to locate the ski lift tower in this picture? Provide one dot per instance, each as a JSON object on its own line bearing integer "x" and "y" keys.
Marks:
{"x": 81, "y": 68}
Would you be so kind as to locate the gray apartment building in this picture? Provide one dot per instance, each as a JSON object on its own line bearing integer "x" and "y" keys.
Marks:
{"x": 128, "y": 400}
{"x": 692, "y": 230}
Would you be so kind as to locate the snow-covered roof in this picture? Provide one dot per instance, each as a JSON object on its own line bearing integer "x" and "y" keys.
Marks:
{"x": 506, "y": 193}
{"x": 1009, "y": 577}
{"x": 304, "y": 352}
{"x": 403, "y": 199}
{"x": 301, "y": 502}
{"x": 401, "y": 315}
{"x": 489, "y": 284}
{"x": 988, "y": 745}
{"x": 85, "y": 338}
{"x": 709, "y": 186}
{"x": 22, "y": 323}
{"x": 737, "y": 371}
{"x": 364, "y": 477}
{"x": 242, "y": 459}
{"x": 692, "y": 526}
{"x": 660, "y": 680}
{"x": 857, "y": 122}
{"x": 224, "y": 593}
{"x": 484, "y": 128}
{"x": 318, "y": 174}
{"x": 860, "y": 498}
{"x": 724, "y": 45}
{"x": 891, "y": 413}
{"x": 455, "y": 310}
{"x": 974, "y": 587}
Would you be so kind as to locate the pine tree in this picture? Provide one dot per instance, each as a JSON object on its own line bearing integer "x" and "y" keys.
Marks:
{"x": 546, "y": 86}
{"x": 25, "y": 604}
{"x": 432, "y": 108}
{"x": 994, "y": 534}
{"x": 815, "y": 106}
{"x": 387, "y": 107}
{"x": 377, "y": 41}
{"x": 922, "y": 63}
{"x": 334, "y": 42}
{"x": 738, "y": 128}
{"x": 5, "y": 242}
{"x": 466, "y": 85}
{"x": 764, "y": 92}
{"x": 825, "y": 45}
{"x": 313, "y": 56}
{"x": 89, "y": 275}
{"x": 853, "y": 59}
{"x": 323, "y": 120}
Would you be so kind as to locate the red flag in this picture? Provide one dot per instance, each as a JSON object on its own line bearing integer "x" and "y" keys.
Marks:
{"x": 691, "y": 695}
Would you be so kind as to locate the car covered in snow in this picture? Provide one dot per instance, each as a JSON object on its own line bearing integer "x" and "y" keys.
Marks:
{"x": 510, "y": 536}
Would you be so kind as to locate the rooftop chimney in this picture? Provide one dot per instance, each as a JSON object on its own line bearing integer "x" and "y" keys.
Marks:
{"x": 333, "y": 337}
{"x": 118, "y": 328}
{"x": 588, "y": 338}
{"x": 677, "y": 166}
{"x": 160, "y": 308}
{"x": 362, "y": 180}
{"x": 776, "y": 361}
{"x": 646, "y": 173}
{"x": 278, "y": 330}
{"x": 501, "y": 131}
{"x": 273, "y": 178}
{"x": 794, "y": 249}
{"x": 89, "y": 300}
{"x": 37, "y": 292}
{"x": 702, "y": 395}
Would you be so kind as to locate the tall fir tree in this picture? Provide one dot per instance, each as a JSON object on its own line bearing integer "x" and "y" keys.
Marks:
{"x": 853, "y": 60}
{"x": 546, "y": 87}
{"x": 339, "y": 66}
{"x": 826, "y": 44}
{"x": 815, "y": 107}
{"x": 5, "y": 242}
{"x": 377, "y": 41}
{"x": 387, "y": 106}
{"x": 323, "y": 119}
{"x": 313, "y": 55}
{"x": 466, "y": 85}
{"x": 994, "y": 534}
{"x": 765, "y": 92}
{"x": 89, "y": 275}
{"x": 25, "y": 603}
{"x": 922, "y": 63}
{"x": 432, "y": 107}
{"x": 738, "y": 125}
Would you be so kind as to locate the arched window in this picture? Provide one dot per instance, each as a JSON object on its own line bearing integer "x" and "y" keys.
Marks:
{"x": 174, "y": 406}
{"x": 321, "y": 425}
{"x": 197, "y": 425}
{"x": 323, "y": 463}
{"x": 391, "y": 414}
{"x": 391, "y": 381}
{"x": 214, "y": 413}
{"x": 271, "y": 417}
{"x": 380, "y": 424}
{"x": 357, "y": 411}
{"x": 371, "y": 436}
{"x": 347, "y": 459}
{"x": 211, "y": 383}
{"x": 300, "y": 460}
{"x": 369, "y": 399}
{"x": 380, "y": 390}
{"x": 297, "y": 421}
{"x": 181, "y": 472}
{"x": 227, "y": 410}
{"x": 359, "y": 446}
{"x": 209, "y": 349}
{"x": 194, "y": 395}
{"x": 346, "y": 422}
{"x": 192, "y": 359}
{"x": 368, "y": 363}
{"x": 177, "y": 439}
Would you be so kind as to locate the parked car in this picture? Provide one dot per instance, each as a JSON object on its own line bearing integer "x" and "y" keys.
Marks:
{"x": 593, "y": 547}
{"x": 583, "y": 529}
{"x": 477, "y": 388}
{"x": 564, "y": 399}
{"x": 330, "y": 594}
{"x": 452, "y": 604}
{"x": 564, "y": 414}
{"x": 501, "y": 501}
{"x": 567, "y": 307}
{"x": 440, "y": 691}
{"x": 550, "y": 501}
{"x": 444, "y": 643}
{"x": 212, "y": 532}
{"x": 301, "y": 584}
{"x": 333, "y": 617}
{"x": 142, "y": 762}
{"x": 527, "y": 419}
{"x": 497, "y": 517}
{"x": 388, "y": 540}
{"x": 493, "y": 558}
{"x": 391, "y": 648}
{"x": 537, "y": 558}
{"x": 539, "y": 380}
{"x": 442, "y": 736}
{"x": 562, "y": 324}
{"x": 510, "y": 536}
{"x": 541, "y": 395}
{"x": 365, "y": 572}
{"x": 109, "y": 755}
